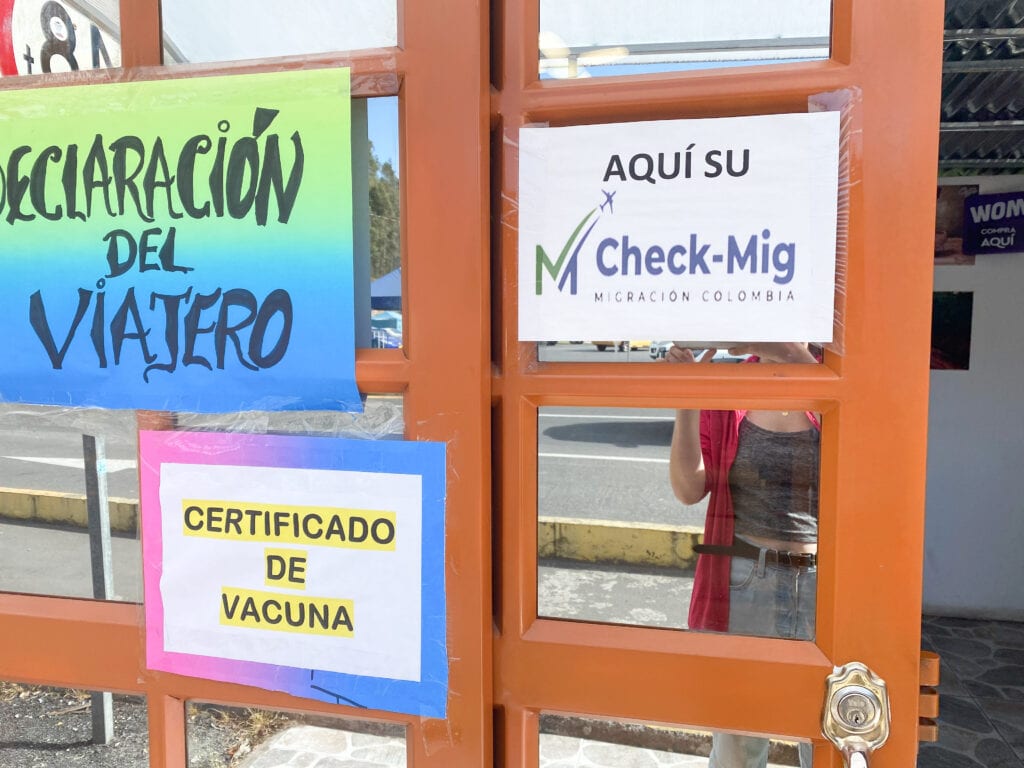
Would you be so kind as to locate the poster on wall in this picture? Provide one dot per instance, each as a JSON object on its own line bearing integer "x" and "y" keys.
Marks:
{"x": 720, "y": 228}
{"x": 951, "y": 330}
{"x": 949, "y": 224}
{"x": 992, "y": 223}
{"x": 181, "y": 245}
{"x": 309, "y": 565}
{"x": 49, "y": 36}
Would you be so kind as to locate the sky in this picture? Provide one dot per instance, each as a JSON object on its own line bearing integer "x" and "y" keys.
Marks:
{"x": 382, "y": 119}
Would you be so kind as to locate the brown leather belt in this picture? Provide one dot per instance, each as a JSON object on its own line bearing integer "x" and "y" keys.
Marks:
{"x": 750, "y": 551}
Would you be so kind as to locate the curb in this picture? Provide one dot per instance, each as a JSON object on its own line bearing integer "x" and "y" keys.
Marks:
{"x": 588, "y": 541}
{"x": 598, "y": 541}
{"x": 64, "y": 509}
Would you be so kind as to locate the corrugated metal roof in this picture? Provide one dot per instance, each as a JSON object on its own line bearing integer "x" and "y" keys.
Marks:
{"x": 975, "y": 14}
{"x": 982, "y": 120}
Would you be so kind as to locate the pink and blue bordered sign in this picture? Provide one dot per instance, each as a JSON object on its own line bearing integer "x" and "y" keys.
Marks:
{"x": 309, "y": 565}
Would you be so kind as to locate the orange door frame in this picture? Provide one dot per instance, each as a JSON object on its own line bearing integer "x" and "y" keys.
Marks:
{"x": 874, "y": 396}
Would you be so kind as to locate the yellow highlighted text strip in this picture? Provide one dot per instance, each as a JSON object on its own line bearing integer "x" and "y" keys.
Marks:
{"x": 286, "y": 613}
{"x": 285, "y": 568}
{"x": 290, "y": 524}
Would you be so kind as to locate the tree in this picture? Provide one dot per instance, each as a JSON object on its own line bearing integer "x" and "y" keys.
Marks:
{"x": 385, "y": 218}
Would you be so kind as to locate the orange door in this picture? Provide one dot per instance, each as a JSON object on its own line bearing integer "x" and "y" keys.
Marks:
{"x": 476, "y": 389}
{"x": 873, "y": 397}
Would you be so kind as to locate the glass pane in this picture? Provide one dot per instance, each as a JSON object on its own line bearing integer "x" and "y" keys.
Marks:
{"x": 57, "y": 727}
{"x": 233, "y": 736}
{"x": 382, "y": 419}
{"x": 588, "y": 741}
{"x": 600, "y": 39}
{"x": 197, "y": 31}
{"x": 384, "y": 257}
{"x": 637, "y": 351}
{"x": 619, "y": 351}
{"x": 45, "y": 541}
{"x": 61, "y": 36}
{"x": 640, "y": 525}
{"x": 377, "y": 223}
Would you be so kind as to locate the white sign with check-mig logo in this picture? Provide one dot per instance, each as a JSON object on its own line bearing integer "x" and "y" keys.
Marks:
{"x": 721, "y": 228}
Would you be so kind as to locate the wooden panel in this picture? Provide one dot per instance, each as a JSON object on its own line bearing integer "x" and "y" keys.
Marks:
{"x": 930, "y": 668}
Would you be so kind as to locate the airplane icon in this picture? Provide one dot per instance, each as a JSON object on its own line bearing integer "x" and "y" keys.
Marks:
{"x": 608, "y": 201}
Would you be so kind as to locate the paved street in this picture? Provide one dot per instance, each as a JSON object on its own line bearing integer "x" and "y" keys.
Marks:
{"x": 41, "y": 448}
{"x": 608, "y": 464}
{"x": 44, "y": 560}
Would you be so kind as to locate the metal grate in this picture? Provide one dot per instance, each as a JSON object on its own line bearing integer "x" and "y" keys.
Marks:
{"x": 982, "y": 117}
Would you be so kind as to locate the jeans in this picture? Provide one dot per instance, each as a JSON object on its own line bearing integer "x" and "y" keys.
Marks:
{"x": 767, "y": 601}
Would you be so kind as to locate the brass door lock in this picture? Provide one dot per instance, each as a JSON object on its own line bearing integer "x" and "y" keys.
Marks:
{"x": 856, "y": 713}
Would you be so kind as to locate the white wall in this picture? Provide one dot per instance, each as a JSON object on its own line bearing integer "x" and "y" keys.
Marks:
{"x": 974, "y": 539}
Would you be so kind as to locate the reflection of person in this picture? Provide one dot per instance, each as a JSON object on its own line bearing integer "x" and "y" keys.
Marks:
{"x": 756, "y": 573}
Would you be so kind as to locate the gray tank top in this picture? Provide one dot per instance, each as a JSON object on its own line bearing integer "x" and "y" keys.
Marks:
{"x": 774, "y": 483}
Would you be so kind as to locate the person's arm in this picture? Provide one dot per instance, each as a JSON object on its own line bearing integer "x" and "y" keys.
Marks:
{"x": 776, "y": 352}
{"x": 686, "y": 462}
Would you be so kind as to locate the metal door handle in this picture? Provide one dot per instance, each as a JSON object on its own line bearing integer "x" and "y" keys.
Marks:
{"x": 856, "y": 713}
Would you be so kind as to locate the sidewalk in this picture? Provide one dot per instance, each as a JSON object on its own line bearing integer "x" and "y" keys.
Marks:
{"x": 981, "y": 694}
{"x": 310, "y": 747}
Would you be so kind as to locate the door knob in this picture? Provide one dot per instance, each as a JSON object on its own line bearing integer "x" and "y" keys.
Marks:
{"x": 856, "y": 713}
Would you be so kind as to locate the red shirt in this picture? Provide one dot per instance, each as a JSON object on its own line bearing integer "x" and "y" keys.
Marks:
{"x": 719, "y": 438}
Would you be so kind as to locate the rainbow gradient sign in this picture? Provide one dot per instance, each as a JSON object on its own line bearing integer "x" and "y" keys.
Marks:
{"x": 309, "y": 565}
{"x": 180, "y": 245}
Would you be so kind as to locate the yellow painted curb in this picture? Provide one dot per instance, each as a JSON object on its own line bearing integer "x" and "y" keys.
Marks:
{"x": 591, "y": 541}
{"x": 64, "y": 508}
{"x": 601, "y": 541}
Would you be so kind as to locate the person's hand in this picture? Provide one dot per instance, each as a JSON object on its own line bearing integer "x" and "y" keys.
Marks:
{"x": 677, "y": 354}
{"x": 775, "y": 352}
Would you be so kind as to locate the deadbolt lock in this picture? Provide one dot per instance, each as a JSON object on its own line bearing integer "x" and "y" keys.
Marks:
{"x": 856, "y": 713}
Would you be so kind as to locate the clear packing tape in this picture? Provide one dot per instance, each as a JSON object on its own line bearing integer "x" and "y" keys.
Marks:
{"x": 43, "y": 450}
{"x": 848, "y": 103}
{"x": 30, "y": 432}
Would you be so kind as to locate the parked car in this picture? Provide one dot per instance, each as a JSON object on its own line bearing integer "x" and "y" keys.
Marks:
{"x": 620, "y": 345}
{"x": 660, "y": 348}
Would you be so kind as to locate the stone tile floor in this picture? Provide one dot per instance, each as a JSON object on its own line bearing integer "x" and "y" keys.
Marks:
{"x": 981, "y": 693}
{"x": 312, "y": 747}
